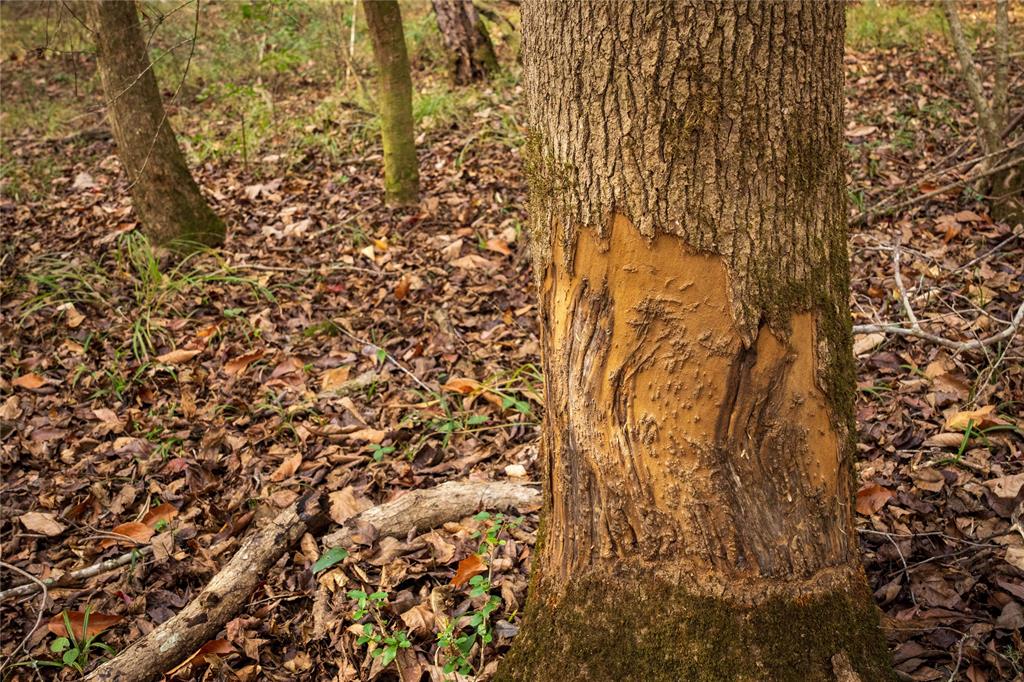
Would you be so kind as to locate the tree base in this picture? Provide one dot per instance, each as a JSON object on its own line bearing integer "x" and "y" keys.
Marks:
{"x": 641, "y": 627}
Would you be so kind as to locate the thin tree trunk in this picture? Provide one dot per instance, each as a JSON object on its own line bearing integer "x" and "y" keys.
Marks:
{"x": 401, "y": 174}
{"x": 471, "y": 53}
{"x": 166, "y": 198}
{"x": 688, "y": 225}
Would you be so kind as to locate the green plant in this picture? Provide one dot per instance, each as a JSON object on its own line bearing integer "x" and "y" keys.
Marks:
{"x": 386, "y": 642}
{"x": 459, "y": 635}
{"x": 74, "y": 653}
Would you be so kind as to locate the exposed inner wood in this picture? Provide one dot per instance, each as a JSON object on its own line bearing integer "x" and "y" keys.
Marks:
{"x": 671, "y": 440}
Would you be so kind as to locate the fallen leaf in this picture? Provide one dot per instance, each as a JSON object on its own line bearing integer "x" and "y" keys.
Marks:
{"x": 288, "y": 468}
{"x": 980, "y": 418}
{"x": 344, "y": 504}
{"x": 871, "y": 498}
{"x": 164, "y": 512}
{"x": 499, "y": 245}
{"x": 241, "y": 363}
{"x": 30, "y": 381}
{"x": 132, "y": 532}
{"x": 1006, "y": 487}
{"x": 370, "y": 435}
{"x": 945, "y": 440}
{"x": 1015, "y": 557}
{"x": 929, "y": 479}
{"x": 215, "y": 647}
{"x": 42, "y": 522}
{"x": 402, "y": 288}
{"x": 334, "y": 378}
{"x": 461, "y": 385}
{"x": 468, "y": 567}
{"x": 419, "y": 619}
{"x": 98, "y": 622}
{"x": 861, "y": 131}
{"x": 864, "y": 343}
{"x": 473, "y": 262}
{"x": 83, "y": 181}
{"x": 176, "y": 357}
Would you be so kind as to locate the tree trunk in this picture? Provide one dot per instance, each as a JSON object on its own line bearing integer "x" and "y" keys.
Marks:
{"x": 688, "y": 225}
{"x": 470, "y": 51}
{"x": 401, "y": 175}
{"x": 166, "y": 198}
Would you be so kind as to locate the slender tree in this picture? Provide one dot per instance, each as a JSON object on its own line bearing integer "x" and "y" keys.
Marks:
{"x": 689, "y": 231}
{"x": 401, "y": 175}
{"x": 168, "y": 202}
{"x": 470, "y": 51}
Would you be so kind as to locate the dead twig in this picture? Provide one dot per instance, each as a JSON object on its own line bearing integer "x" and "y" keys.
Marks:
{"x": 39, "y": 615}
{"x": 74, "y": 576}
{"x": 958, "y": 346}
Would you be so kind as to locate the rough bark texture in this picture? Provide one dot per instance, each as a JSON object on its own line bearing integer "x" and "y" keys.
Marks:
{"x": 166, "y": 198}
{"x": 394, "y": 92}
{"x": 688, "y": 221}
{"x": 470, "y": 51}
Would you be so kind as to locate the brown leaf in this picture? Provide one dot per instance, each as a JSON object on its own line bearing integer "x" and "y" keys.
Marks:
{"x": 238, "y": 365}
{"x": 370, "y": 435}
{"x": 499, "y": 245}
{"x": 468, "y": 567}
{"x": 30, "y": 381}
{"x": 164, "y": 512}
{"x": 945, "y": 440}
{"x": 402, "y": 288}
{"x": 42, "y": 522}
{"x": 215, "y": 647}
{"x": 980, "y": 418}
{"x": 462, "y": 385}
{"x": 288, "y": 468}
{"x": 132, "y": 532}
{"x": 871, "y": 498}
{"x": 345, "y": 504}
{"x": 419, "y": 619}
{"x": 333, "y": 379}
{"x": 929, "y": 479}
{"x": 177, "y": 357}
{"x": 98, "y": 622}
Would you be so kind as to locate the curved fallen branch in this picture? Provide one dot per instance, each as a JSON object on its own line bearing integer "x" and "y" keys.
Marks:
{"x": 959, "y": 346}
{"x": 72, "y": 577}
{"x": 228, "y": 592}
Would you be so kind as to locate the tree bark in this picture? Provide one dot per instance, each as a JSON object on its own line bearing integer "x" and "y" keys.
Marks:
{"x": 471, "y": 53}
{"x": 166, "y": 198}
{"x": 688, "y": 225}
{"x": 401, "y": 174}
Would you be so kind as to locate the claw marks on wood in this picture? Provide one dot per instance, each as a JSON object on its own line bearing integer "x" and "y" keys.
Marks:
{"x": 638, "y": 335}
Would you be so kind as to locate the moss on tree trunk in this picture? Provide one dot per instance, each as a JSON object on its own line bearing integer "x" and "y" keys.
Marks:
{"x": 688, "y": 225}
{"x": 166, "y": 198}
{"x": 394, "y": 92}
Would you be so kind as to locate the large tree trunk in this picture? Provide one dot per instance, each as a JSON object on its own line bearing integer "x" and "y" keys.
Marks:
{"x": 688, "y": 223}
{"x": 401, "y": 174}
{"x": 470, "y": 51}
{"x": 170, "y": 208}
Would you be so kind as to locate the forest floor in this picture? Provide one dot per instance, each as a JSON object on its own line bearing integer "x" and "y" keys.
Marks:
{"x": 336, "y": 344}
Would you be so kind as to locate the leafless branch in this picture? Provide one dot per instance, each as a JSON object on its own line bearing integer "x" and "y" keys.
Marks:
{"x": 36, "y": 582}
{"x": 958, "y": 346}
{"x": 74, "y": 576}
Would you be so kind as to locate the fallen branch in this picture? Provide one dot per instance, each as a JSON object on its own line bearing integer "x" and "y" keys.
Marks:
{"x": 224, "y": 596}
{"x": 228, "y": 592}
{"x": 959, "y": 346}
{"x": 39, "y": 613}
{"x": 425, "y": 509}
{"x": 75, "y": 576}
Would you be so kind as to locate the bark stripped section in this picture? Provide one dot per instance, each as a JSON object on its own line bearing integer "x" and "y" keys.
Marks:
{"x": 719, "y": 123}
{"x": 670, "y": 440}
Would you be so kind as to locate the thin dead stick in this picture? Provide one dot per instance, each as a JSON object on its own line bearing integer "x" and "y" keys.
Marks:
{"x": 227, "y": 593}
{"x": 863, "y": 217}
{"x": 39, "y": 615}
{"x": 959, "y": 346}
{"x": 389, "y": 357}
{"x": 904, "y": 298}
{"x": 75, "y": 576}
